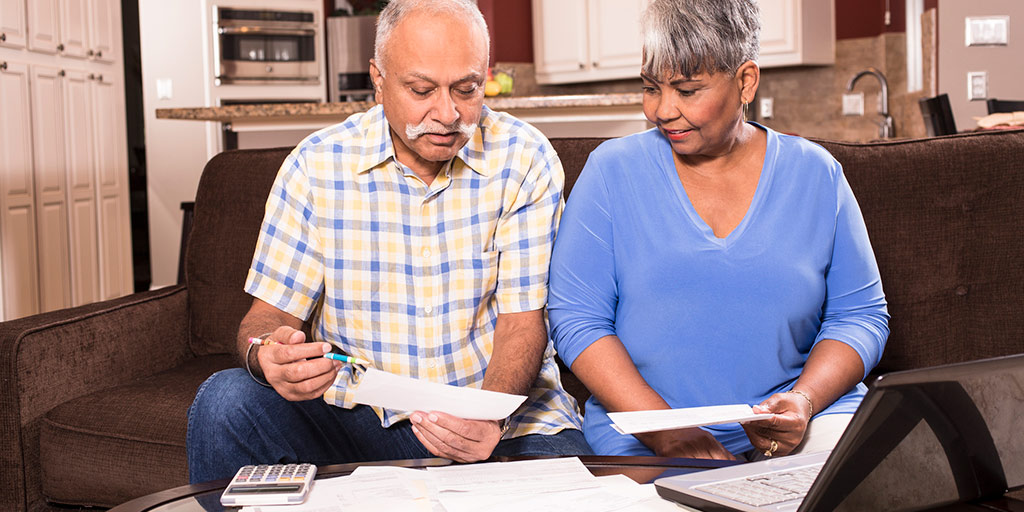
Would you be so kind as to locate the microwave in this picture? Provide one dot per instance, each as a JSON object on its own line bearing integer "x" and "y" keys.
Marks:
{"x": 263, "y": 46}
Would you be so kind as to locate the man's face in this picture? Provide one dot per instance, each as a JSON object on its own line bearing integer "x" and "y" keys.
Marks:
{"x": 432, "y": 88}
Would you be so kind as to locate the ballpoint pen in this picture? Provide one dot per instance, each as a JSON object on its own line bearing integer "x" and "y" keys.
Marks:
{"x": 330, "y": 355}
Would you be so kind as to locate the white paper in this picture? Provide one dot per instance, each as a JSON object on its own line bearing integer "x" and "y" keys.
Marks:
{"x": 519, "y": 477}
{"x": 635, "y": 422}
{"x": 399, "y": 393}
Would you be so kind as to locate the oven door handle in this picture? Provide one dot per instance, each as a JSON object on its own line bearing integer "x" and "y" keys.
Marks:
{"x": 267, "y": 31}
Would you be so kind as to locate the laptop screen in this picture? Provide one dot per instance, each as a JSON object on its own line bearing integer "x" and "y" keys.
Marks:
{"x": 929, "y": 437}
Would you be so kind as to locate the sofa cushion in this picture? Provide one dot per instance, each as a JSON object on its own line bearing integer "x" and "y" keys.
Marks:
{"x": 229, "y": 209}
{"x": 134, "y": 433}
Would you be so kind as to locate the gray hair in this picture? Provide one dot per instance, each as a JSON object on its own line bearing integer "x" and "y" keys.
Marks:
{"x": 687, "y": 37}
{"x": 397, "y": 10}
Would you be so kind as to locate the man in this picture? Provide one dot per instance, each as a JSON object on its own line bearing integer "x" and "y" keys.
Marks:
{"x": 417, "y": 236}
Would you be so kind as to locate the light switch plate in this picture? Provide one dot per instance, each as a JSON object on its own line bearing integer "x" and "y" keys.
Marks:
{"x": 977, "y": 85}
{"x": 767, "y": 108}
{"x": 987, "y": 30}
{"x": 853, "y": 104}
{"x": 164, "y": 89}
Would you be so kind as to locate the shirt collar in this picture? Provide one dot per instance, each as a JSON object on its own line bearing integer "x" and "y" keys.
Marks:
{"x": 379, "y": 147}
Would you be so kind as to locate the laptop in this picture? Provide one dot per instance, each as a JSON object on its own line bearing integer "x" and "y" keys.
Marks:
{"x": 921, "y": 438}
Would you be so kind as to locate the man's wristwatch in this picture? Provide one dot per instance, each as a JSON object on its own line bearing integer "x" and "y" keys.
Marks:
{"x": 505, "y": 424}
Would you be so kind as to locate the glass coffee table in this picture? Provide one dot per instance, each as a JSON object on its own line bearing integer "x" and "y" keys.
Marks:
{"x": 205, "y": 497}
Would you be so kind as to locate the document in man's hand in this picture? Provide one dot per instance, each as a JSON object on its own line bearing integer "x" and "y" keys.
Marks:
{"x": 635, "y": 422}
{"x": 399, "y": 393}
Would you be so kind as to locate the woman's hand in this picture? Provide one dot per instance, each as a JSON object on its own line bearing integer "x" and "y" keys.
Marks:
{"x": 791, "y": 413}
{"x": 686, "y": 442}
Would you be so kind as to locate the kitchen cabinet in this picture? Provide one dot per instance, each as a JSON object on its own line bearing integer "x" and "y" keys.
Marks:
{"x": 18, "y": 266}
{"x": 797, "y": 32}
{"x": 12, "y": 23}
{"x": 64, "y": 214}
{"x": 586, "y": 40}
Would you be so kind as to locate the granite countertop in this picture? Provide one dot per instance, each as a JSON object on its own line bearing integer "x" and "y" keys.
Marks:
{"x": 269, "y": 111}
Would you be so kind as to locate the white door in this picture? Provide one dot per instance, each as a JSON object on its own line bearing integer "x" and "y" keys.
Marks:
{"x": 18, "y": 266}
{"x": 79, "y": 164}
{"x": 43, "y": 26}
{"x": 615, "y": 34}
{"x": 112, "y": 192}
{"x": 74, "y": 28}
{"x": 12, "y": 23}
{"x": 51, "y": 196}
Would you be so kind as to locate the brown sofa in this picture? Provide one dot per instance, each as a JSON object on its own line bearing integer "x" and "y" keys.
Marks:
{"x": 93, "y": 400}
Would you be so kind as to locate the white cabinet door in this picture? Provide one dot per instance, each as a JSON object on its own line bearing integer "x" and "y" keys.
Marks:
{"x": 51, "y": 196}
{"x": 19, "y": 272}
{"x": 102, "y": 16}
{"x": 74, "y": 28}
{"x": 796, "y": 32}
{"x": 615, "y": 41}
{"x": 12, "y": 23}
{"x": 79, "y": 161}
{"x": 560, "y": 35}
{"x": 43, "y": 26}
{"x": 115, "y": 258}
{"x": 586, "y": 40}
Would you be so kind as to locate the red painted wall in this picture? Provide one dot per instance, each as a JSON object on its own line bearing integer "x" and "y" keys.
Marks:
{"x": 510, "y": 25}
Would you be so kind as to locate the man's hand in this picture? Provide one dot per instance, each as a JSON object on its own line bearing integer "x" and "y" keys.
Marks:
{"x": 686, "y": 442}
{"x": 297, "y": 370}
{"x": 456, "y": 438}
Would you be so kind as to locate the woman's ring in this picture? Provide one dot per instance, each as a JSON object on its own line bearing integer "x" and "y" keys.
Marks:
{"x": 771, "y": 449}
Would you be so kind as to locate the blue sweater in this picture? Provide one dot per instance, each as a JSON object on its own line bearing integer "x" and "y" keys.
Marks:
{"x": 707, "y": 320}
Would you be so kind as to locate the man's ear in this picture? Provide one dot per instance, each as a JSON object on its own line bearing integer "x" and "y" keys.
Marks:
{"x": 377, "y": 78}
{"x": 748, "y": 77}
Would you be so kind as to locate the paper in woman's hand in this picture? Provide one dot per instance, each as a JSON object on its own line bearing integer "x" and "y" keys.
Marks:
{"x": 635, "y": 422}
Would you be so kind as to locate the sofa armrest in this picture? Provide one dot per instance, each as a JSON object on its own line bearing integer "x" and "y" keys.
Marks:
{"x": 53, "y": 357}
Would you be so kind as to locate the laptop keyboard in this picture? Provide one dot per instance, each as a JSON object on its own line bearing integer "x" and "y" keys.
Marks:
{"x": 766, "y": 488}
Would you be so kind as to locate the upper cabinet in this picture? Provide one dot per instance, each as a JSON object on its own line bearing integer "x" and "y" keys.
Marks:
{"x": 12, "y": 23}
{"x": 81, "y": 29}
{"x": 586, "y": 40}
{"x": 797, "y": 32}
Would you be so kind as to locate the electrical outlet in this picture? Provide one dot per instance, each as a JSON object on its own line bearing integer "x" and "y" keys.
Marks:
{"x": 977, "y": 85}
{"x": 853, "y": 104}
{"x": 767, "y": 108}
{"x": 164, "y": 89}
{"x": 988, "y": 30}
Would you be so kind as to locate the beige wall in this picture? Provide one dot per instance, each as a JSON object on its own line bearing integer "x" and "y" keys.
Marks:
{"x": 1004, "y": 64}
{"x": 171, "y": 39}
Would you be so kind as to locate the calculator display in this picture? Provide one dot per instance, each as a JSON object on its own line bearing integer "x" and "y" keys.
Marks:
{"x": 264, "y": 489}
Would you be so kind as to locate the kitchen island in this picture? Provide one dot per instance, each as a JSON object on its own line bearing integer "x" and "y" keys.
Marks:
{"x": 589, "y": 115}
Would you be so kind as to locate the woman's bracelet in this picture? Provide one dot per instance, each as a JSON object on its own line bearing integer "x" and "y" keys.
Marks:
{"x": 810, "y": 405}
{"x": 248, "y": 350}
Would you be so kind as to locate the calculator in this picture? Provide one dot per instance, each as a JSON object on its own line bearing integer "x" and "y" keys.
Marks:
{"x": 269, "y": 484}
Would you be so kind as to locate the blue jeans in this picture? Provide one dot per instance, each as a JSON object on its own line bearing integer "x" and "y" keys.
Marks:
{"x": 234, "y": 421}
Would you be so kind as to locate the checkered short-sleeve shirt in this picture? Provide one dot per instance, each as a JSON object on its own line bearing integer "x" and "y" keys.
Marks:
{"x": 412, "y": 277}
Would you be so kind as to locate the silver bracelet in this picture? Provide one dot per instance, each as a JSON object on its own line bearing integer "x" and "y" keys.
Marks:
{"x": 261, "y": 382}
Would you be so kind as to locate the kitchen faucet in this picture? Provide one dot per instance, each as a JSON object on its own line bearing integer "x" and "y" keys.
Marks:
{"x": 885, "y": 128}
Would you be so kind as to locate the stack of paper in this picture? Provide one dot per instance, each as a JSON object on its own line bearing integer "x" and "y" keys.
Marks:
{"x": 562, "y": 484}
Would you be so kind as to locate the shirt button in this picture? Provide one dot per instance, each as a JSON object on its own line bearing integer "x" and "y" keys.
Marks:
{"x": 427, "y": 309}
{"x": 426, "y": 253}
{"x": 432, "y": 364}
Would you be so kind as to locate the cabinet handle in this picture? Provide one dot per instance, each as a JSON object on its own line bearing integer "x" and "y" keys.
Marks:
{"x": 595, "y": 64}
{"x": 90, "y": 53}
{"x": 99, "y": 78}
{"x": 60, "y": 47}
{"x": 3, "y": 66}
{"x": 92, "y": 76}
{"x": 61, "y": 73}
{"x": 582, "y": 65}
{"x": 3, "y": 37}
{"x": 99, "y": 54}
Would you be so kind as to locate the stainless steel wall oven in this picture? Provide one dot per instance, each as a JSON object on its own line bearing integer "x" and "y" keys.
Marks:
{"x": 262, "y": 46}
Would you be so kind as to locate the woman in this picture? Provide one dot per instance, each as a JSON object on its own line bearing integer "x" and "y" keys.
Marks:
{"x": 713, "y": 261}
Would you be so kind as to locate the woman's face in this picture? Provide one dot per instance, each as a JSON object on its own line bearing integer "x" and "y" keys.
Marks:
{"x": 699, "y": 115}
